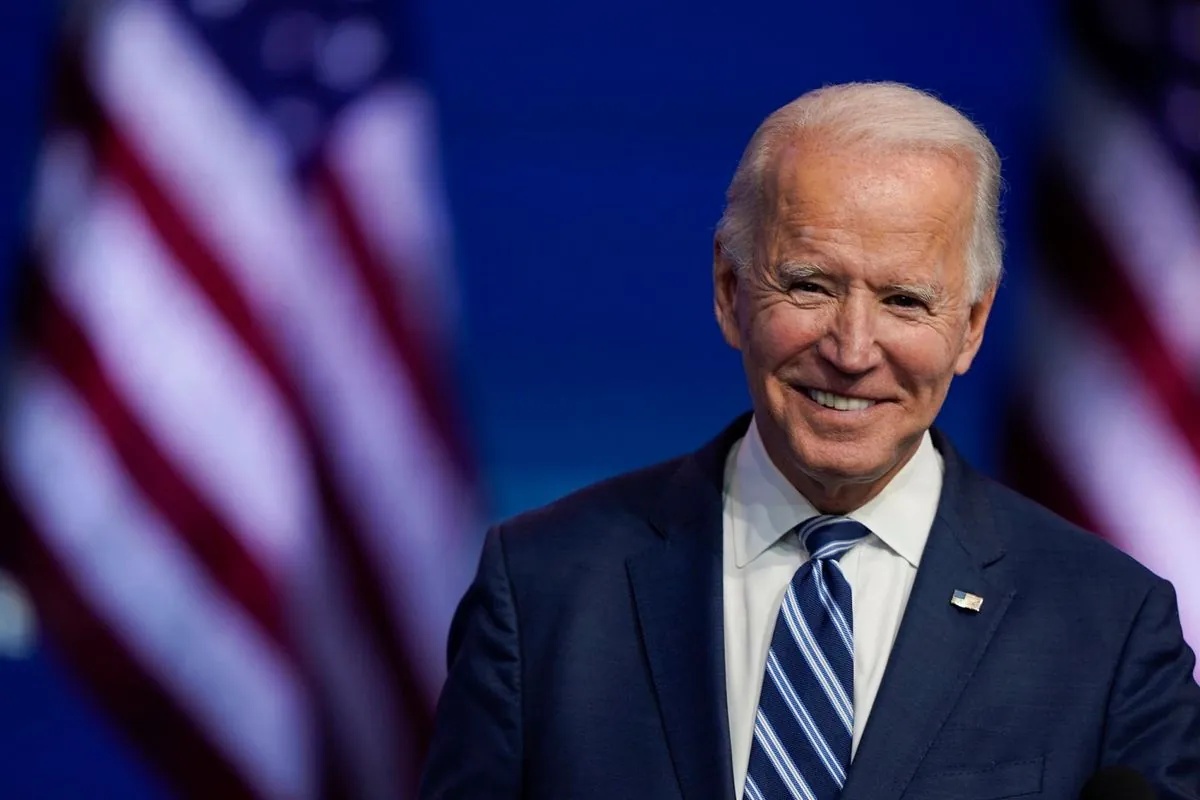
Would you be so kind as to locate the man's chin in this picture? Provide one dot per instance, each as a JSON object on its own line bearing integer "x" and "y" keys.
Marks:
{"x": 841, "y": 462}
{"x": 844, "y": 474}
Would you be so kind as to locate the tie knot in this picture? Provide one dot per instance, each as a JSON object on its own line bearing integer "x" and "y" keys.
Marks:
{"x": 828, "y": 536}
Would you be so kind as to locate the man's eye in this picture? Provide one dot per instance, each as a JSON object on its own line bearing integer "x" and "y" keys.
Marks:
{"x": 905, "y": 301}
{"x": 807, "y": 286}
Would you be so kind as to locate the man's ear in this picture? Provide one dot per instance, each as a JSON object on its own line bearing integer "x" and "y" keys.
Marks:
{"x": 725, "y": 289}
{"x": 976, "y": 323}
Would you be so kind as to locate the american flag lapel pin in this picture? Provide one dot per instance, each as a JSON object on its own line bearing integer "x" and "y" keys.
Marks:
{"x": 971, "y": 602}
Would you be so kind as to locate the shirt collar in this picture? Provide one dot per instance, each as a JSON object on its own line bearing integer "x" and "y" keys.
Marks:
{"x": 900, "y": 515}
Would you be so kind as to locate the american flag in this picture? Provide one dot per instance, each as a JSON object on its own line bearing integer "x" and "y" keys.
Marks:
{"x": 1110, "y": 427}
{"x": 235, "y": 486}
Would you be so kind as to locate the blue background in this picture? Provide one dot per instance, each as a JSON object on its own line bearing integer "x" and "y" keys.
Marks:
{"x": 586, "y": 149}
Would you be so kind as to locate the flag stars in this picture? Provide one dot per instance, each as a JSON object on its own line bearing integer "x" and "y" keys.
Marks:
{"x": 291, "y": 41}
{"x": 313, "y": 64}
{"x": 352, "y": 54}
{"x": 342, "y": 56}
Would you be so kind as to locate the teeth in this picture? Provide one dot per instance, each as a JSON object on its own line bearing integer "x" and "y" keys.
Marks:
{"x": 831, "y": 400}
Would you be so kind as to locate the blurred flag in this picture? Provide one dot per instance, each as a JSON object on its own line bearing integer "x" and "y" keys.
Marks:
{"x": 1111, "y": 417}
{"x": 235, "y": 488}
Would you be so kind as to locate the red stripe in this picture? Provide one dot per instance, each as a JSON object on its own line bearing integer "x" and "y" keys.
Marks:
{"x": 1088, "y": 273}
{"x": 76, "y": 106}
{"x": 198, "y": 264}
{"x": 45, "y": 326}
{"x": 127, "y": 692}
{"x": 415, "y": 709}
{"x": 209, "y": 539}
{"x": 193, "y": 259}
{"x": 420, "y": 355}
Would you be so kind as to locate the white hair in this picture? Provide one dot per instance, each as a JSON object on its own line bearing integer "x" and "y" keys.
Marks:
{"x": 889, "y": 114}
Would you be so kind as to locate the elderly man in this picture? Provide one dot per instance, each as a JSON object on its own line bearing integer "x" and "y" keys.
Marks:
{"x": 825, "y": 601}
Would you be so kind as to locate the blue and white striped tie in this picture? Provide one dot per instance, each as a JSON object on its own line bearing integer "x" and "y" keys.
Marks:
{"x": 805, "y": 720}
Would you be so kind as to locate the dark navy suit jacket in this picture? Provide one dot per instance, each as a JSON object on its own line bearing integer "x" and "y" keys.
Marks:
{"x": 586, "y": 661}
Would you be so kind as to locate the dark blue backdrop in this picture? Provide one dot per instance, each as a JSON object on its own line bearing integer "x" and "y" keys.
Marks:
{"x": 586, "y": 149}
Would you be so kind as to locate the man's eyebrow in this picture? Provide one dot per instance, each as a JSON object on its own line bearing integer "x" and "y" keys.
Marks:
{"x": 799, "y": 270}
{"x": 925, "y": 292}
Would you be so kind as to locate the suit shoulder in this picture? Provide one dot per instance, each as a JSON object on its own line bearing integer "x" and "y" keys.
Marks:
{"x": 611, "y": 509}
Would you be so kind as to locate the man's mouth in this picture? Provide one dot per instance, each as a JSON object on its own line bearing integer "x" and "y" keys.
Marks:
{"x": 838, "y": 401}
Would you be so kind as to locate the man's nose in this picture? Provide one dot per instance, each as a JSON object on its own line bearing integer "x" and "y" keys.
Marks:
{"x": 850, "y": 344}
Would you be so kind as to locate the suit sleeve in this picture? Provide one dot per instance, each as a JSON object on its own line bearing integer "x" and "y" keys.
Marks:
{"x": 1153, "y": 721}
{"x": 476, "y": 747}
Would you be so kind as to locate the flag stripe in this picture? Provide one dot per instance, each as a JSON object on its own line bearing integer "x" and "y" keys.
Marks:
{"x": 206, "y": 402}
{"x": 1088, "y": 275}
{"x": 242, "y": 692}
{"x": 420, "y": 355}
{"x": 209, "y": 538}
{"x": 414, "y": 710}
{"x": 251, "y": 334}
{"x": 359, "y": 706}
{"x": 126, "y": 690}
{"x": 410, "y": 488}
{"x": 1139, "y": 478}
{"x": 193, "y": 257}
{"x": 386, "y": 160}
{"x": 1112, "y": 160}
{"x": 1108, "y": 432}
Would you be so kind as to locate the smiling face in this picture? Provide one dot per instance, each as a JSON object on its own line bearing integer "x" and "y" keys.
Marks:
{"x": 855, "y": 314}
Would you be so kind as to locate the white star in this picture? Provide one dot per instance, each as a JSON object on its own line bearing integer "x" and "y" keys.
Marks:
{"x": 353, "y": 52}
{"x": 291, "y": 40}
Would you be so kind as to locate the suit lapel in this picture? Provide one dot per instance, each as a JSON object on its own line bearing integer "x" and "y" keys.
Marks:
{"x": 938, "y": 645}
{"x": 679, "y": 602}
{"x": 677, "y": 590}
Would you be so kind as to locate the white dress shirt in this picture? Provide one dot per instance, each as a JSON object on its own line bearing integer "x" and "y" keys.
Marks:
{"x": 759, "y": 562}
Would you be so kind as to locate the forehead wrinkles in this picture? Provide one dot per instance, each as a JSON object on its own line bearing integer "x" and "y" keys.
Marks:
{"x": 812, "y": 182}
